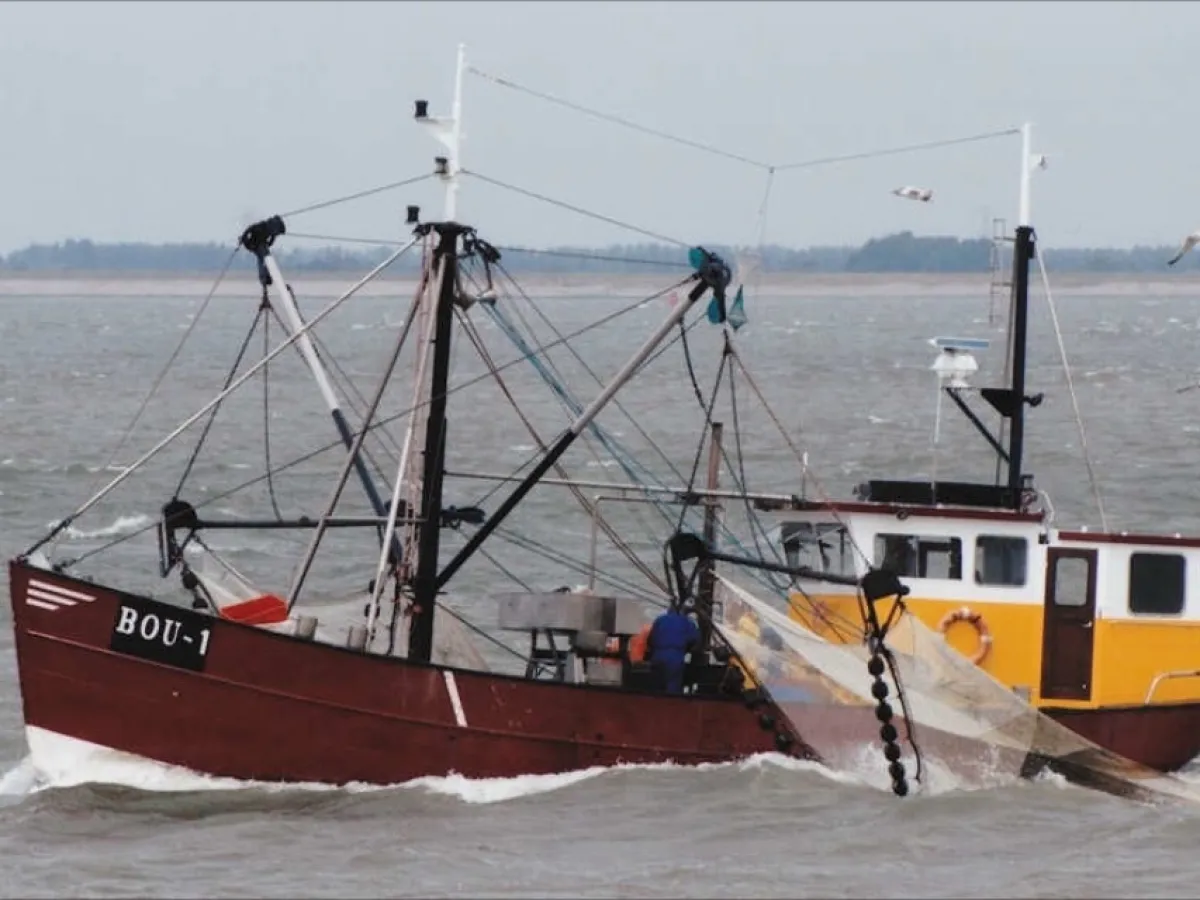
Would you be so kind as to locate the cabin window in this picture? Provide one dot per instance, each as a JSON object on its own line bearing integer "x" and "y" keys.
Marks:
{"x": 1072, "y": 576}
{"x": 1001, "y": 560}
{"x": 822, "y": 546}
{"x": 916, "y": 556}
{"x": 1156, "y": 583}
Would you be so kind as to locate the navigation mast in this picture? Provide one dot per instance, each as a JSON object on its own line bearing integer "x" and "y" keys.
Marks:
{"x": 437, "y": 316}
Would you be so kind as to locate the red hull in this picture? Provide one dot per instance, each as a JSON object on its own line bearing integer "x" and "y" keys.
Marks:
{"x": 1163, "y": 736}
{"x": 276, "y": 708}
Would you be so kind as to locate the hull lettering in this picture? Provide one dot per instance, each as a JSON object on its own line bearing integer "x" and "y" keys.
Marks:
{"x": 162, "y": 634}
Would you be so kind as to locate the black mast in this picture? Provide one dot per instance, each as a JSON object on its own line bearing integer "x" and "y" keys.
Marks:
{"x": 425, "y": 585}
{"x": 708, "y": 581}
{"x": 1023, "y": 252}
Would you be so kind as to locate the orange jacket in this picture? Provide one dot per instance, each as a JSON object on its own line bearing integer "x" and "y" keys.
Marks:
{"x": 637, "y": 644}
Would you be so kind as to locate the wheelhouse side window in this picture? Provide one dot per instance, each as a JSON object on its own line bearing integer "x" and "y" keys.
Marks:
{"x": 822, "y": 546}
{"x": 916, "y": 556}
{"x": 1156, "y": 583}
{"x": 1001, "y": 561}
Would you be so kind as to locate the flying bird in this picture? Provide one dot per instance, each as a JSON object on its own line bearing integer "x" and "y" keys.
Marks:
{"x": 914, "y": 193}
{"x": 1189, "y": 242}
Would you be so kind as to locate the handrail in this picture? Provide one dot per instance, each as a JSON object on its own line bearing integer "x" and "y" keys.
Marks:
{"x": 1163, "y": 676}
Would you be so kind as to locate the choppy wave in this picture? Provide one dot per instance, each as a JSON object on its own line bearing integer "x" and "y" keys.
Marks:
{"x": 122, "y": 526}
{"x": 69, "y": 763}
{"x": 13, "y": 468}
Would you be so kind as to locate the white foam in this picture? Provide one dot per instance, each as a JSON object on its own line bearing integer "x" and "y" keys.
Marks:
{"x": 20, "y": 780}
{"x": 497, "y": 790}
{"x": 58, "y": 761}
{"x": 123, "y": 525}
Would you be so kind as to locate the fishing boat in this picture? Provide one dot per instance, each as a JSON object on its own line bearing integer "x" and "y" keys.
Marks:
{"x": 1096, "y": 628}
{"x": 225, "y": 677}
{"x": 228, "y": 674}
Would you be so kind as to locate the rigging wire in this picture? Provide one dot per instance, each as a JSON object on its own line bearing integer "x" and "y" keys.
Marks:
{"x": 620, "y": 455}
{"x": 762, "y": 216}
{"x": 481, "y": 348}
{"x": 358, "y": 195}
{"x": 562, "y": 204}
{"x": 624, "y": 459}
{"x": 532, "y": 251}
{"x": 471, "y": 626}
{"x": 764, "y": 577}
{"x": 64, "y": 523}
{"x": 345, "y": 239}
{"x": 598, "y": 434}
{"x": 592, "y": 372}
{"x": 618, "y": 120}
{"x": 349, "y": 396}
{"x": 187, "y": 333}
{"x": 491, "y": 492}
{"x": 358, "y": 403}
{"x": 353, "y": 395}
{"x": 895, "y": 151}
{"x": 1062, "y": 350}
{"x": 507, "y": 572}
{"x": 667, "y": 346}
{"x": 796, "y": 452}
{"x": 754, "y": 521}
{"x": 558, "y": 556}
{"x": 267, "y": 418}
{"x": 763, "y": 206}
{"x": 470, "y": 382}
{"x": 772, "y": 169}
{"x": 259, "y": 315}
{"x": 741, "y": 484}
{"x": 759, "y": 164}
{"x": 707, "y": 408}
{"x": 830, "y": 617}
{"x": 573, "y": 254}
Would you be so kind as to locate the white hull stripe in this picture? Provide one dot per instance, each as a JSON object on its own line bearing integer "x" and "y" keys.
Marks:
{"x": 50, "y": 598}
{"x": 61, "y": 591}
{"x": 44, "y": 595}
{"x": 455, "y": 700}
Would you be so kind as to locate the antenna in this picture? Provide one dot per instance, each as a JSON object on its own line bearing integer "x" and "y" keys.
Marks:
{"x": 954, "y": 364}
{"x": 448, "y": 130}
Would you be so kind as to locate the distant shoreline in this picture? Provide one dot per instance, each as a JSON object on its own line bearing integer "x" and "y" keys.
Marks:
{"x": 326, "y": 284}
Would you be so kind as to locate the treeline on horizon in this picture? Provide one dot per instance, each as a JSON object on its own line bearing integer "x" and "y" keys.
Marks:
{"x": 900, "y": 252}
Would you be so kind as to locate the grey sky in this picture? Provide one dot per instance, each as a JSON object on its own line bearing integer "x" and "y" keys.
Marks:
{"x": 180, "y": 121}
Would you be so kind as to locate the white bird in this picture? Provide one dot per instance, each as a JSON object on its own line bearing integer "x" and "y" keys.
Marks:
{"x": 914, "y": 193}
{"x": 1189, "y": 242}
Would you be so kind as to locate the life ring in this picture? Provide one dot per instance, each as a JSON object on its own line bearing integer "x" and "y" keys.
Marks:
{"x": 975, "y": 620}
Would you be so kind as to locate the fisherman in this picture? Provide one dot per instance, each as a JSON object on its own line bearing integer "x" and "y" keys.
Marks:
{"x": 672, "y": 637}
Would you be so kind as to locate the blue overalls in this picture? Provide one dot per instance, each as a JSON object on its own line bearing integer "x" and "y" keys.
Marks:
{"x": 671, "y": 637}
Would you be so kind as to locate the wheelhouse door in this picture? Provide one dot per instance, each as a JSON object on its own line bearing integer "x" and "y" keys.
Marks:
{"x": 1068, "y": 634}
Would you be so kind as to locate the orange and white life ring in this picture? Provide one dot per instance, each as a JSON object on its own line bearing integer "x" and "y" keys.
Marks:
{"x": 976, "y": 621}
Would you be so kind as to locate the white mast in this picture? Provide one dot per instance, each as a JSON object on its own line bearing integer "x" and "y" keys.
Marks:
{"x": 448, "y": 130}
{"x": 1029, "y": 162}
{"x": 1023, "y": 216}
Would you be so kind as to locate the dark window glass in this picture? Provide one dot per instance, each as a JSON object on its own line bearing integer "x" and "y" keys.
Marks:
{"x": 1156, "y": 583}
